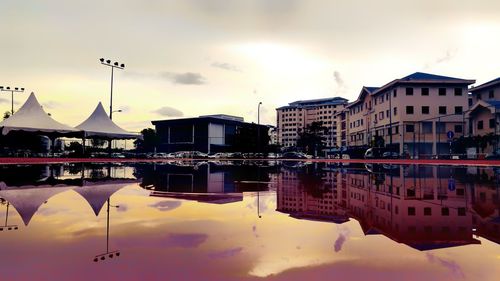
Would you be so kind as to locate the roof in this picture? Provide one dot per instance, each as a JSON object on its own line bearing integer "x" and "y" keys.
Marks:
{"x": 315, "y": 102}
{"x": 99, "y": 124}
{"x": 32, "y": 118}
{"x": 204, "y": 118}
{"x": 492, "y": 105}
{"x": 97, "y": 195}
{"x": 28, "y": 200}
{"x": 421, "y": 77}
{"x": 225, "y": 116}
{"x": 486, "y": 85}
{"x": 365, "y": 90}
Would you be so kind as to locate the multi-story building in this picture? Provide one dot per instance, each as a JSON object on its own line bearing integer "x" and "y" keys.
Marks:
{"x": 413, "y": 115}
{"x": 485, "y": 107}
{"x": 294, "y": 117}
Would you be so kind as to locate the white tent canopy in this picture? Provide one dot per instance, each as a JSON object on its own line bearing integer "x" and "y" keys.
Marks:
{"x": 99, "y": 125}
{"x": 97, "y": 195}
{"x": 32, "y": 118}
{"x": 27, "y": 200}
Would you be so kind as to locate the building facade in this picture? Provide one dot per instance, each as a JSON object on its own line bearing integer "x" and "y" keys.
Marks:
{"x": 208, "y": 133}
{"x": 413, "y": 115}
{"x": 483, "y": 115}
{"x": 295, "y": 117}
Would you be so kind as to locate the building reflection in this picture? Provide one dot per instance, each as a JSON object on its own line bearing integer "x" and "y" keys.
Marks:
{"x": 424, "y": 207}
{"x": 208, "y": 182}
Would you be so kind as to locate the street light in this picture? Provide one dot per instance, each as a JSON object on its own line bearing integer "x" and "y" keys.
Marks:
{"x": 107, "y": 253}
{"x": 113, "y": 66}
{"x": 258, "y": 126}
{"x": 12, "y": 91}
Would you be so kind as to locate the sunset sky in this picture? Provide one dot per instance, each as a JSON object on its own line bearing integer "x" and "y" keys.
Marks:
{"x": 194, "y": 57}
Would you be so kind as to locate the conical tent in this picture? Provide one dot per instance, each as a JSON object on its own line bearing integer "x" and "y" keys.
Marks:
{"x": 97, "y": 195}
{"x": 98, "y": 124}
{"x": 32, "y": 118}
{"x": 28, "y": 200}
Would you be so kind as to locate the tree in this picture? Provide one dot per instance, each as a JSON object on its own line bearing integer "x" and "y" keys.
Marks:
{"x": 6, "y": 115}
{"x": 150, "y": 140}
{"x": 311, "y": 139}
{"x": 377, "y": 141}
{"x": 75, "y": 147}
{"x": 97, "y": 142}
{"x": 246, "y": 139}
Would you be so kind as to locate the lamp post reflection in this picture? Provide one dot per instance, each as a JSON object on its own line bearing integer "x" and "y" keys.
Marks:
{"x": 7, "y": 226}
{"x": 108, "y": 254}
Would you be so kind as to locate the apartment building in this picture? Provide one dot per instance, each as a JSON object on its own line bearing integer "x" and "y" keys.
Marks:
{"x": 413, "y": 114}
{"x": 485, "y": 107}
{"x": 294, "y": 117}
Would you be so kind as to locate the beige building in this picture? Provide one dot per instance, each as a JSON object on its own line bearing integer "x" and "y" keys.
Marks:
{"x": 485, "y": 107}
{"x": 294, "y": 117}
{"x": 413, "y": 114}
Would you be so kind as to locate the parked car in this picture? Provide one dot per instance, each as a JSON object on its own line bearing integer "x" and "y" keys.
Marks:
{"x": 295, "y": 155}
{"x": 495, "y": 155}
{"x": 390, "y": 155}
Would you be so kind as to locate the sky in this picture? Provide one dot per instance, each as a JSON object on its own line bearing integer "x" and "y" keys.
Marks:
{"x": 195, "y": 57}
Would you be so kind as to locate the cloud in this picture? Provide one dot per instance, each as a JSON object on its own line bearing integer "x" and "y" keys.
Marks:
{"x": 226, "y": 66}
{"x": 185, "y": 240}
{"x": 448, "y": 56}
{"x": 343, "y": 235}
{"x": 338, "y": 79}
{"x": 51, "y": 104}
{"x": 226, "y": 253}
{"x": 187, "y": 78}
{"x": 4, "y": 100}
{"x": 449, "y": 264}
{"x": 166, "y": 205}
{"x": 169, "y": 112}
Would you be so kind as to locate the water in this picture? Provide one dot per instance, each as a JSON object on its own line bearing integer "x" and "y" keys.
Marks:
{"x": 249, "y": 221}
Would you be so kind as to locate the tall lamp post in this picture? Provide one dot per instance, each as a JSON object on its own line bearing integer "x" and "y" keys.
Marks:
{"x": 113, "y": 66}
{"x": 12, "y": 91}
{"x": 258, "y": 126}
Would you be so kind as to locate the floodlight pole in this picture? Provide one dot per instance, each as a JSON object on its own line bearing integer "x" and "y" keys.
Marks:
{"x": 12, "y": 91}
{"x": 113, "y": 66}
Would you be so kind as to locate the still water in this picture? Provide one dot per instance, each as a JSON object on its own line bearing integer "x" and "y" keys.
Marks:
{"x": 249, "y": 221}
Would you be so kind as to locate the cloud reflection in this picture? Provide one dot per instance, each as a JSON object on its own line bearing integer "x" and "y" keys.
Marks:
{"x": 166, "y": 205}
{"x": 185, "y": 240}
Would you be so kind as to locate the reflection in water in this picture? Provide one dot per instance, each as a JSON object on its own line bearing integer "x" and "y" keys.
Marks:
{"x": 424, "y": 207}
{"x": 108, "y": 253}
{"x": 6, "y": 226}
{"x": 210, "y": 219}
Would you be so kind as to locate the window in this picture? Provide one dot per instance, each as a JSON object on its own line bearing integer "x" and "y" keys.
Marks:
{"x": 440, "y": 127}
{"x": 480, "y": 125}
{"x": 492, "y": 123}
{"x": 427, "y": 127}
{"x": 445, "y": 211}
{"x": 387, "y": 112}
{"x": 395, "y": 93}
{"x": 470, "y": 102}
{"x": 381, "y": 115}
{"x": 425, "y": 109}
{"x": 411, "y": 211}
{"x": 461, "y": 211}
{"x": 442, "y": 110}
{"x": 410, "y": 128}
{"x": 409, "y": 91}
{"x": 458, "y": 91}
{"x": 458, "y": 129}
{"x": 409, "y": 109}
{"x": 458, "y": 110}
{"x": 425, "y": 91}
{"x": 491, "y": 95}
{"x": 395, "y": 111}
{"x": 427, "y": 211}
{"x": 442, "y": 91}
